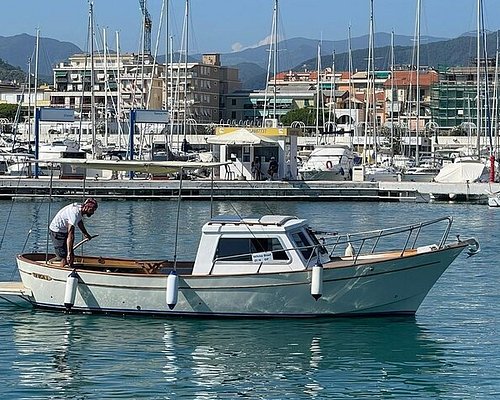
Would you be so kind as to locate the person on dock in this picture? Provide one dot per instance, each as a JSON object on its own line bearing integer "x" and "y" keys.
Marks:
{"x": 273, "y": 168}
{"x": 62, "y": 229}
{"x": 256, "y": 166}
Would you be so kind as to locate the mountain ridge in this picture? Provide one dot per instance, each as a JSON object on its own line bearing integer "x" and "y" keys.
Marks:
{"x": 294, "y": 54}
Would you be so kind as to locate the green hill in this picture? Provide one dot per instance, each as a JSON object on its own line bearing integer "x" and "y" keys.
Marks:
{"x": 11, "y": 73}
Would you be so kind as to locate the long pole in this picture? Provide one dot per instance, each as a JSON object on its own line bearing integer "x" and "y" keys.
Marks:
{"x": 37, "y": 47}
{"x": 392, "y": 97}
{"x": 92, "y": 79}
{"x": 167, "y": 52}
{"x": 119, "y": 91}
{"x": 318, "y": 93}
{"x": 374, "y": 98}
{"x": 417, "y": 131}
{"x": 478, "y": 77}
{"x": 351, "y": 88}
{"x": 186, "y": 41}
{"x": 275, "y": 58}
{"x": 105, "y": 86}
{"x": 29, "y": 100}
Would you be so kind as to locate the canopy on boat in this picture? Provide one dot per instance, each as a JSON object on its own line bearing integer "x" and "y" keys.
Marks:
{"x": 461, "y": 172}
{"x": 157, "y": 167}
{"x": 241, "y": 137}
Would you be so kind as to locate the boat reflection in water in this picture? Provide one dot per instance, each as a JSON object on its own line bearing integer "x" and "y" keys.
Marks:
{"x": 74, "y": 355}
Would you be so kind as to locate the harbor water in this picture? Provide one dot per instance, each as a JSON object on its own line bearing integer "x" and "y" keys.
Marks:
{"x": 449, "y": 350}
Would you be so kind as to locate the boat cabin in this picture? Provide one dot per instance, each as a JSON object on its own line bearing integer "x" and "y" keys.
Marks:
{"x": 272, "y": 243}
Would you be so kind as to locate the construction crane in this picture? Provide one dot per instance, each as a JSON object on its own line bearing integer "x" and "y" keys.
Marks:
{"x": 148, "y": 24}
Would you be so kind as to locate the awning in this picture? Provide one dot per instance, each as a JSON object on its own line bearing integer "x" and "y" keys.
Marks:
{"x": 241, "y": 137}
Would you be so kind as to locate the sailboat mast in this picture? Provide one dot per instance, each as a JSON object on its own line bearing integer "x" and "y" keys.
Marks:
{"x": 37, "y": 51}
{"x": 478, "y": 77}
{"x": 184, "y": 124}
{"x": 494, "y": 149}
{"x": 351, "y": 91}
{"x": 369, "y": 82}
{"x": 374, "y": 98}
{"x": 29, "y": 99}
{"x": 331, "y": 106}
{"x": 92, "y": 77}
{"x": 318, "y": 93}
{"x": 105, "y": 87}
{"x": 392, "y": 97}
{"x": 273, "y": 55}
{"x": 119, "y": 92}
{"x": 275, "y": 58}
{"x": 167, "y": 51}
{"x": 417, "y": 130}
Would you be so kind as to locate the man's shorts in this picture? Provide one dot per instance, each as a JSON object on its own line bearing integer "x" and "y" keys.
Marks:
{"x": 59, "y": 240}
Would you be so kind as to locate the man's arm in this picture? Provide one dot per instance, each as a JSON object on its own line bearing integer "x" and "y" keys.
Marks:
{"x": 84, "y": 230}
{"x": 70, "y": 243}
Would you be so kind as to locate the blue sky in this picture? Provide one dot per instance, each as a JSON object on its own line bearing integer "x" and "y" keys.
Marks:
{"x": 227, "y": 25}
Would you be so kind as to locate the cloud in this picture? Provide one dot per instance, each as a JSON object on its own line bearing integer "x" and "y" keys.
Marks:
{"x": 235, "y": 47}
{"x": 264, "y": 42}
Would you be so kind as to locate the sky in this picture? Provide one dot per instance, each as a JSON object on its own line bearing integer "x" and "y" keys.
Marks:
{"x": 230, "y": 25}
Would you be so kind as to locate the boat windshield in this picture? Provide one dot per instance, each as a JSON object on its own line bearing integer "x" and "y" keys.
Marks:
{"x": 241, "y": 249}
{"x": 303, "y": 244}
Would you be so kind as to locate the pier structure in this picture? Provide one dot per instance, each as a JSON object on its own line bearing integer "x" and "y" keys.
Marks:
{"x": 204, "y": 189}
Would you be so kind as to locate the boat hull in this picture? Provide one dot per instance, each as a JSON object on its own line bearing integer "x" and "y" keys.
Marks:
{"x": 336, "y": 175}
{"x": 395, "y": 286}
{"x": 494, "y": 201}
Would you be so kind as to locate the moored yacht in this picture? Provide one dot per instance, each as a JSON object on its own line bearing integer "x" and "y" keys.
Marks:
{"x": 328, "y": 163}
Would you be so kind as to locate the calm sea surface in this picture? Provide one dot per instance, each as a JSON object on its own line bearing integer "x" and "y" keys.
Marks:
{"x": 450, "y": 350}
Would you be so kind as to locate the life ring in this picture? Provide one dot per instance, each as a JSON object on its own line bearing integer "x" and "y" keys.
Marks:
{"x": 329, "y": 165}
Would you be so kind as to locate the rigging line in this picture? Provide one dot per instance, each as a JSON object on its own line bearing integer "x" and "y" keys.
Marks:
{"x": 157, "y": 45}
{"x": 12, "y": 206}
{"x": 83, "y": 78}
{"x": 486, "y": 84}
{"x": 37, "y": 210}
{"x": 249, "y": 183}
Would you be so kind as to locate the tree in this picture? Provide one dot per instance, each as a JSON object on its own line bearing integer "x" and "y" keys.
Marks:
{"x": 305, "y": 115}
{"x": 8, "y": 111}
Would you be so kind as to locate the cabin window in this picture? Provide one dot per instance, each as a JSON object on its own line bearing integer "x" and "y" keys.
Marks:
{"x": 241, "y": 249}
{"x": 316, "y": 242}
{"x": 303, "y": 245}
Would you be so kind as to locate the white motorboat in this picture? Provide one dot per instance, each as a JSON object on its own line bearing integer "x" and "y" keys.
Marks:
{"x": 328, "y": 163}
{"x": 16, "y": 164}
{"x": 494, "y": 199}
{"x": 423, "y": 173}
{"x": 462, "y": 172}
{"x": 381, "y": 173}
{"x": 272, "y": 266}
{"x": 57, "y": 148}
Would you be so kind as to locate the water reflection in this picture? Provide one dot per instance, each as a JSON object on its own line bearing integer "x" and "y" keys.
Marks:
{"x": 449, "y": 349}
{"x": 75, "y": 354}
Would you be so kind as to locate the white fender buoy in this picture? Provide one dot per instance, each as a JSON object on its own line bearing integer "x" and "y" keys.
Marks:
{"x": 317, "y": 281}
{"x": 349, "y": 251}
{"x": 172, "y": 289}
{"x": 70, "y": 291}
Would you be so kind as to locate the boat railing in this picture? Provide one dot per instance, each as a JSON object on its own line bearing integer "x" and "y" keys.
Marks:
{"x": 410, "y": 234}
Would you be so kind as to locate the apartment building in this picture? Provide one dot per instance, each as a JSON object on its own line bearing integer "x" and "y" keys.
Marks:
{"x": 131, "y": 81}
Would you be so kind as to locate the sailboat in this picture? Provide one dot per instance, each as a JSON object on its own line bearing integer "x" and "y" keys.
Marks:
{"x": 372, "y": 170}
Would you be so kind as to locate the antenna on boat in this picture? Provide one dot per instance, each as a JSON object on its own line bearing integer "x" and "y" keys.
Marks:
{"x": 179, "y": 198}
{"x": 48, "y": 212}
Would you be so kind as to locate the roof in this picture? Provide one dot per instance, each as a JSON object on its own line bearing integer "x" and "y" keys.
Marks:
{"x": 241, "y": 137}
{"x": 407, "y": 78}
